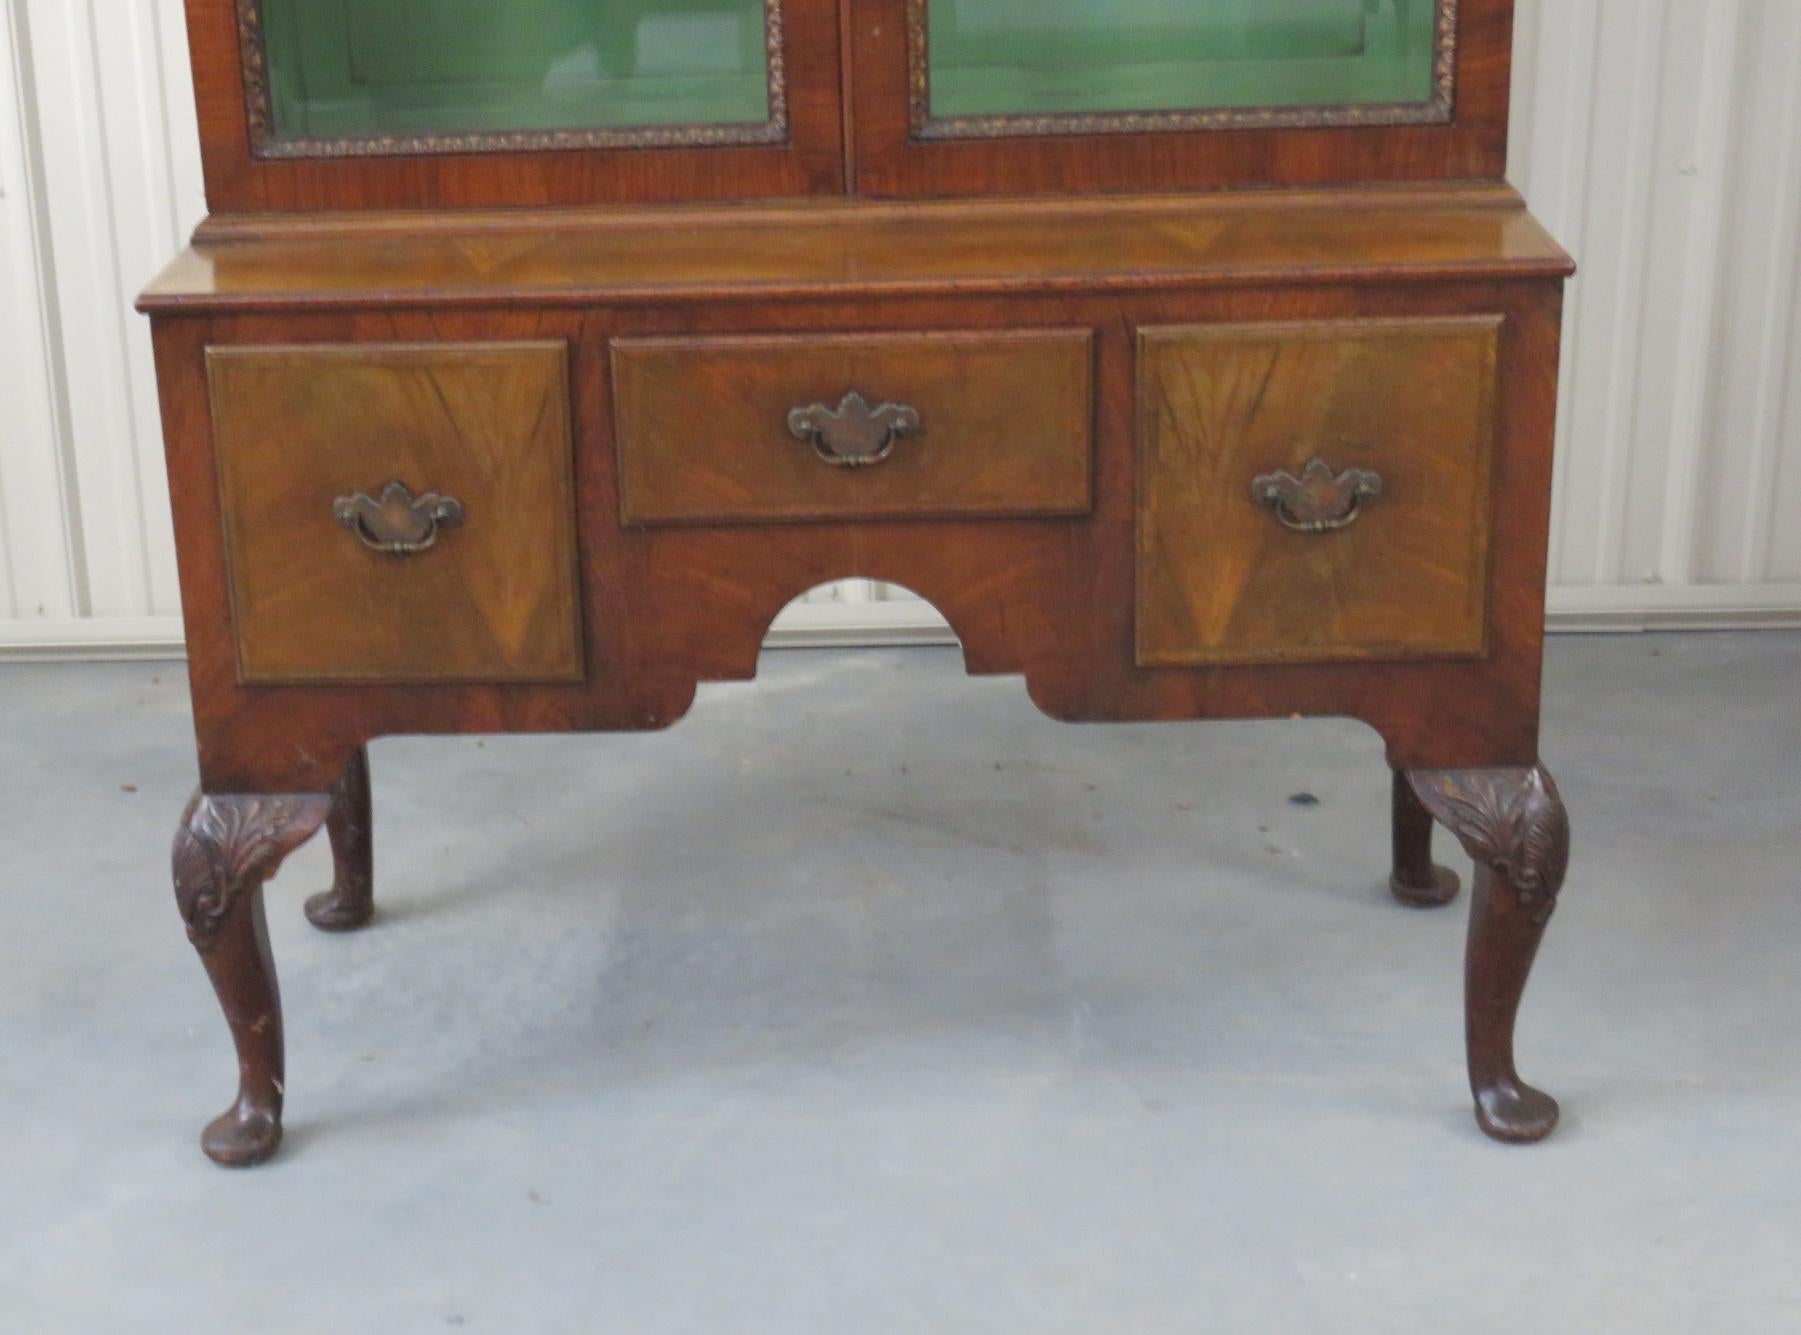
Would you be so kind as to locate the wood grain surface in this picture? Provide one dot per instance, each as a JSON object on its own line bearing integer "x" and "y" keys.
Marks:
{"x": 1050, "y": 599}
{"x": 1006, "y": 424}
{"x": 297, "y": 427}
{"x": 1222, "y": 580}
{"x": 705, "y": 256}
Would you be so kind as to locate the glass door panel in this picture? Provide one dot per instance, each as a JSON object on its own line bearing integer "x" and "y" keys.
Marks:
{"x": 374, "y": 76}
{"x": 1049, "y": 66}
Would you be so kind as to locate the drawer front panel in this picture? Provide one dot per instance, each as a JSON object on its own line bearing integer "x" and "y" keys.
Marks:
{"x": 941, "y": 424}
{"x": 399, "y": 513}
{"x": 1312, "y": 493}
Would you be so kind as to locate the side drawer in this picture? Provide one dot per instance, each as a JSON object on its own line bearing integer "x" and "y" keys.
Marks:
{"x": 854, "y": 426}
{"x": 398, "y": 513}
{"x": 1315, "y": 492}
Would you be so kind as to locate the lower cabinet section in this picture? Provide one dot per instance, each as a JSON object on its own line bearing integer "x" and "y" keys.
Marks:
{"x": 398, "y": 513}
{"x": 1315, "y": 492}
{"x": 1155, "y": 459}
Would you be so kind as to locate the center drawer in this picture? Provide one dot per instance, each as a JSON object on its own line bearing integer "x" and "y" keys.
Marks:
{"x": 851, "y": 426}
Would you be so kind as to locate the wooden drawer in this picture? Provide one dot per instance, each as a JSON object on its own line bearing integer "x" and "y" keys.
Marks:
{"x": 479, "y": 581}
{"x": 763, "y": 428}
{"x": 1381, "y": 551}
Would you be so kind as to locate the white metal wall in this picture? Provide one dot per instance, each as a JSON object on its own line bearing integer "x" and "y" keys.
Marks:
{"x": 99, "y": 185}
{"x": 1660, "y": 139}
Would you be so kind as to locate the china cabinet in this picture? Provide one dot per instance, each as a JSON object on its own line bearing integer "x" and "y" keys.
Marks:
{"x": 1191, "y": 356}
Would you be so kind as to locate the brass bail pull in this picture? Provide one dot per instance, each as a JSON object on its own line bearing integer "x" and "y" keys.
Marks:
{"x": 396, "y": 522}
{"x": 1321, "y": 500}
{"x": 854, "y": 435}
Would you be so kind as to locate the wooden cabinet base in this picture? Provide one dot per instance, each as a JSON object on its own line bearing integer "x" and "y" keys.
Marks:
{"x": 1161, "y": 459}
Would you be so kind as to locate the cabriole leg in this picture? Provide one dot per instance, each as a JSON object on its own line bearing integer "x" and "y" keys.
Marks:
{"x": 1513, "y": 823}
{"x": 226, "y": 848}
{"x": 1416, "y": 880}
{"x": 350, "y": 903}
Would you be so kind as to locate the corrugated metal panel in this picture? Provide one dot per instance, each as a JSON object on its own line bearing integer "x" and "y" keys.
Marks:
{"x": 1661, "y": 139}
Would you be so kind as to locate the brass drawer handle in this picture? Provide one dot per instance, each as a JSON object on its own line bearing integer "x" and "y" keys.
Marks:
{"x": 397, "y": 523}
{"x": 854, "y": 435}
{"x": 1321, "y": 499}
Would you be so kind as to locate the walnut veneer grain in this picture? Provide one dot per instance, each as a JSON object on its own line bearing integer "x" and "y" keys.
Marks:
{"x": 1152, "y": 243}
{"x": 297, "y": 428}
{"x": 1409, "y": 402}
{"x": 1006, "y": 420}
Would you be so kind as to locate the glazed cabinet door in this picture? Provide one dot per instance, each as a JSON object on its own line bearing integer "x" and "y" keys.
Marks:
{"x": 961, "y": 96}
{"x": 419, "y": 103}
{"x": 1026, "y": 67}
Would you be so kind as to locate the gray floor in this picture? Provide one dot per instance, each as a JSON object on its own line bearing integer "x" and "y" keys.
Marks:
{"x": 869, "y": 1000}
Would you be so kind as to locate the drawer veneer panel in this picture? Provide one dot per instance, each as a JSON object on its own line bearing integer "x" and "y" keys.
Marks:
{"x": 1004, "y": 425}
{"x": 297, "y": 430}
{"x": 1223, "y": 579}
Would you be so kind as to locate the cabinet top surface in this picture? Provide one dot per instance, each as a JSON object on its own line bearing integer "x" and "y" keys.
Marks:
{"x": 1128, "y": 243}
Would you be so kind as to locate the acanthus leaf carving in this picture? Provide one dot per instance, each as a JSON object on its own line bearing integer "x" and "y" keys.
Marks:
{"x": 226, "y": 844}
{"x": 1512, "y": 820}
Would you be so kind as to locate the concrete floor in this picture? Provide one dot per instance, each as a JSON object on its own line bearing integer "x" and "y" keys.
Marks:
{"x": 867, "y": 1000}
